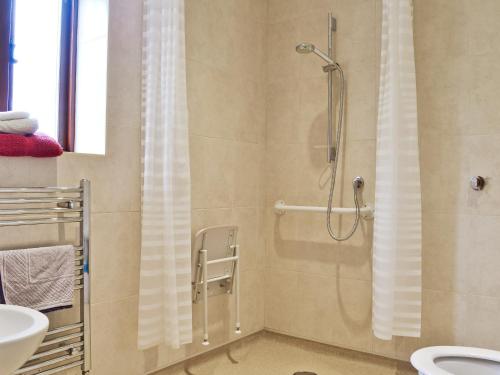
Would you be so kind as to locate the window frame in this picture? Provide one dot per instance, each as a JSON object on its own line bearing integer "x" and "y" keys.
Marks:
{"x": 67, "y": 66}
{"x": 67, "y": 74}
{"x": 6, "y": 53}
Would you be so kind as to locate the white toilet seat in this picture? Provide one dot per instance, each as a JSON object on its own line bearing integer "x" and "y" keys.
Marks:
{"x": 424, "y": 360}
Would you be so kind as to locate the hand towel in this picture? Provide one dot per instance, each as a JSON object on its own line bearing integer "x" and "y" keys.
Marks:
{"x": 39, "y": 278}
{"x": 13, "y": 115}
{"x": 19, "y": 126}
{"x": 37, "y": 145}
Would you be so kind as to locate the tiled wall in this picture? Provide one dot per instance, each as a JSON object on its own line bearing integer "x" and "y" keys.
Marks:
{"x": 325, "y": 287}
{"x": 225, "y": 64}
{"x": 226, "y": 56}
{"x": 458, "y": 91}
{"x": 244, "y": 73}
{"x": 115, "y": 222}
{"x": 317, "y": 288}
{"x": 225, "y": 77}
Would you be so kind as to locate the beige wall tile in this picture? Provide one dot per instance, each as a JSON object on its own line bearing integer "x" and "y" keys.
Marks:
{"x": 281, "y": 293}
{"x": 247, "y": 49}
{"x": 282, "y": 111}
{"x": 212, "y": 172}
{"x": 281, "y": 173}
{"x": 431, "y": 172}
{"x": 25, "y": 171}
{"x": 114, "y": 338}
{"x": 256, "y": 9}
{"x": 211, "y": 111}
{"x": 280, "y": 10}
{"x": 482, "y": 322}
{"x": 480, "y": 25}
{"x": 124, "y": 63}
{"x": 439, "y": 27}
{"x": 250, "y": 106}
{"x": 484, "y": 260}
{"x": 115, "y": 246}
{"x": 352, "y": 321}
{"x": 207, "y": 36}
{"x": 252, "y": 300}
{"x": 316, "y": 307}
{"x": 312, "y": 118}
{"x": 449, "y": 261}
{"x": 248, "y": 158}
{"x": 282, "y": 60}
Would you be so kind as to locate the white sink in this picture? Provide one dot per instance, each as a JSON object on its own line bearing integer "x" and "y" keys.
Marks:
{"x": 21, "y": 332}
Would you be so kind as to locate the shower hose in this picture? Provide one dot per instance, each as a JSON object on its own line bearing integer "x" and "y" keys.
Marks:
{"x": 333, "y": 169}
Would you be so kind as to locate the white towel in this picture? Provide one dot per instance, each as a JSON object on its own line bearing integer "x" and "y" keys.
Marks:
{"x": 40, "y": 278}
{"x": 21, "y": 126}
{"x": 13, "y": 115}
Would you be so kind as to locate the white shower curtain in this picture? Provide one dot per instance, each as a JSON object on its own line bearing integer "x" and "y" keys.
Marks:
{"x": 397, "y": 240}
{"x": 165, "y": 274}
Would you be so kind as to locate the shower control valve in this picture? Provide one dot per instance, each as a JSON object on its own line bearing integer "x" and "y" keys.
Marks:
{"x": 358, "y": 182}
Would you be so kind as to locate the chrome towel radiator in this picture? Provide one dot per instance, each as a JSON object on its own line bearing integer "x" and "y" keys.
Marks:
{"x": 216, "y": 269}
{"x": 68, "y": 346}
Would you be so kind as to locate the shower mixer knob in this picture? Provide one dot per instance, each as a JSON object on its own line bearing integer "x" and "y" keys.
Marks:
{"x": 358, "y": 182}
{"x": 477, "y": 183}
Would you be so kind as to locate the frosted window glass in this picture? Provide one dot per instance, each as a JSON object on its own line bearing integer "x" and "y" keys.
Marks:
{"x": 36, "y": 73}
{"x": 91, "y": 77}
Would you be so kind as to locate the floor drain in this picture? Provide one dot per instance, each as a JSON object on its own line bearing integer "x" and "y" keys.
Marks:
{"x": 304, "y": 373}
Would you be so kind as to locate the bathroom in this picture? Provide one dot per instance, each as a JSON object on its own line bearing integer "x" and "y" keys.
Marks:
{"x": 257, "y": 121}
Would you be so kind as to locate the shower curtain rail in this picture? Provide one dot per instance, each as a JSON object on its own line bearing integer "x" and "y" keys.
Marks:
{"x": 367, "y": 211}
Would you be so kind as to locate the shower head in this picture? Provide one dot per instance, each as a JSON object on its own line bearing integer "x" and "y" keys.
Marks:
{"x": 305, "y": 48}
{"x": 309, "y": 47}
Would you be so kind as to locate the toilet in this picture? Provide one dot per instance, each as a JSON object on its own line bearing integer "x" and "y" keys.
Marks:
{"x": 456, "y": 360}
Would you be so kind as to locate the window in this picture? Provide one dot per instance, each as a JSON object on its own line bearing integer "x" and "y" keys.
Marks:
{"x": 53, "y": 64}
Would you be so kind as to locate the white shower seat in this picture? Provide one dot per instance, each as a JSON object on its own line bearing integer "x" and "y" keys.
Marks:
{"x": 215, "y": 268}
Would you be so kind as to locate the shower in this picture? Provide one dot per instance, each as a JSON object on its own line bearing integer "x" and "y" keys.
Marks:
{"x": 333, "y": 148}
{"x": 308, "y": 48}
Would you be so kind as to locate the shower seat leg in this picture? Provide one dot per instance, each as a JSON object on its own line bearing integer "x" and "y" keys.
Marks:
{"x": 204, "y": 268}
{"x": 237, "y": 289}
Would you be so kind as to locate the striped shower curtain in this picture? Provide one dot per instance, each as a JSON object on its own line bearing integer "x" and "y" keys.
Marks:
{"x": 397, "y": 257}
{"x": 165, "y": 274}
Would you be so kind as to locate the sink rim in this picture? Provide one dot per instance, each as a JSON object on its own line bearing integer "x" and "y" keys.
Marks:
{"x": 40, "y": 324}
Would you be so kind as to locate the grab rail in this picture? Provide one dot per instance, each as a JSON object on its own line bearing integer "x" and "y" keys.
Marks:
{"x": 367, "y": 211}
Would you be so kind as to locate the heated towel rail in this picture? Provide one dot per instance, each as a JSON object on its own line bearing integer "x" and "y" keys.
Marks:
{"x": 68, "y": 346}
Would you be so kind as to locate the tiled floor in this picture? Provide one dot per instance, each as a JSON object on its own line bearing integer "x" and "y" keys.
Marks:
{"x": 271, "y": 354}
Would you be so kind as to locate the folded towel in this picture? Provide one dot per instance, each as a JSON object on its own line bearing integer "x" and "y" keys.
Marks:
{"x": 13, "y": 115}
{"x": 37, "y": 145}
{"x": 39, "y": 278}
{"x": 19, "y": 126}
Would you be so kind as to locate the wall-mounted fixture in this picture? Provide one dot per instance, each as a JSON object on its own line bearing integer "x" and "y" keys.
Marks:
{"x": 366, "y": 211}
{"x": 334, "y": 135}
{"x": 68, "y": 346}
{"x": 216, "y": 269}
{"x": 477, "y": 183}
